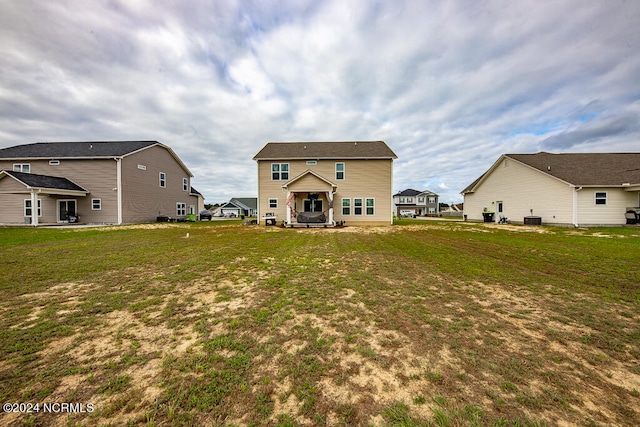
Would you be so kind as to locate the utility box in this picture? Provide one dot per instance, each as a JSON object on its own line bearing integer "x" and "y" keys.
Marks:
{"x": 532, "y": 220}
{"x": 488, "y": 216}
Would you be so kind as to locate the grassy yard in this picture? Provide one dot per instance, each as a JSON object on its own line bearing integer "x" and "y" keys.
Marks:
{"x": 419, "y": 324}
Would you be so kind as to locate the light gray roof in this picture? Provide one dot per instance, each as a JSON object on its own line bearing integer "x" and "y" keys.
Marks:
{"x": 248, "y": 202}
{"x": 325, "y": 150}
{"x": 45, "y": 181}
{"x": 579, "y": 169}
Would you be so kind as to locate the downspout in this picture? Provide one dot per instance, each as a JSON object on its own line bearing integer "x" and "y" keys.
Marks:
{"x": 119, "y": 187}
{"x": 575, "y": 206}
{"x": 34, "y": 208}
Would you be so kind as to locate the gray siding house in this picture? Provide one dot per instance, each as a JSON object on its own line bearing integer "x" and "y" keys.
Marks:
{"x": 102, "y": 182}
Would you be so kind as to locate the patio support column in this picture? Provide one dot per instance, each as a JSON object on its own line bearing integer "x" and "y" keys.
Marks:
{"x": 34, "y": 208}
{"x": 330, "y": 197}
{"x": 288, "y": 207}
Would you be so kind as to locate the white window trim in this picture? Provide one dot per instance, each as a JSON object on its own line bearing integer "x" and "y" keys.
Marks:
{"x": 374, "y": 206}
{"x": 596, "y": 198}
{"x": 39, "y": 203}
{"x": 343, "y": 171}
{"x": 99, "y": 208}
{"x": 185, "y": 184}
{"x": 19, "y": 167}
{"x": 280, "y": 172}
{"x": 181, "y": 209}
{"x": 276, "y": 204}
{"x": 343, "y": 206}
{"x": 162, "y": 181}
{"x": 54, "y": 162}
{"x": 361, "y": 206}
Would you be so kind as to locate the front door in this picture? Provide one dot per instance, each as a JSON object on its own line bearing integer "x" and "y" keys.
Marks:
{"x": 66, "y": 208}
{"x": 499, "y": 210}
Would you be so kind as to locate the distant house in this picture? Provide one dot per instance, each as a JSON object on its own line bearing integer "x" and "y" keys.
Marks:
{"x": 249, "y": 205}
{"x": 106, "y": 182}
{"x": 565, "y": 189}
{"x": 412, "y": 202}
{"x": 323, "y": 183}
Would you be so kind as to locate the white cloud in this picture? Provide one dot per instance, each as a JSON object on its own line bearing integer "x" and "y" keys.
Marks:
{"x": 449, "y": 85}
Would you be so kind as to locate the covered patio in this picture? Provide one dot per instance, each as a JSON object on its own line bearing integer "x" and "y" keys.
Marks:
{"x": 309, "y": 201}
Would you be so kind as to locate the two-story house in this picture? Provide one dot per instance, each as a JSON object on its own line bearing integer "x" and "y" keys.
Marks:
{"x": 412, "y": 202}
{"x": 105, "y": 182}
{"x": 303, "y": 183}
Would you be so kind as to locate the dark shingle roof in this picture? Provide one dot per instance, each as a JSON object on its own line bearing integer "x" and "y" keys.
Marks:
{"x": 580, "y": 169}
{"x": 326, "y": 150}
{"x": 408, "y": 192}
{"x": 45, "y": 181}
{"x": 60, "y": 150}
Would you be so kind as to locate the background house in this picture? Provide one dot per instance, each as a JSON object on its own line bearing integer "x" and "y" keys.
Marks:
{"x": 565, "y": 189}
{"x": 113, "y": 182}
{"x": 412, "y": 202}
{"x": 326, "y": 182}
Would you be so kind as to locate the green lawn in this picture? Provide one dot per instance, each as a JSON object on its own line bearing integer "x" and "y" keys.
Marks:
{"x": 421, "y": 323}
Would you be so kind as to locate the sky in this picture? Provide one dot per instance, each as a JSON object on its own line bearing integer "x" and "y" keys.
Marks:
{"x": 448, "y": 85}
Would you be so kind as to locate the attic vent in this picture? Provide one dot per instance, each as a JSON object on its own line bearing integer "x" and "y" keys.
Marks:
{"x": 548, "y": 168}
{"x": 54, "y": 162}
{"x": 142, "y": 167}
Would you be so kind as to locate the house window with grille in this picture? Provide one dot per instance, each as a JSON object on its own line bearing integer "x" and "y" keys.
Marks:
{"x": 273, "y": 203}
{"x": 346, "y": 206}
{"x": 181, "y": 209}
{"x": 357, "y": 206}
{"x": 280, "y": 171}
{"x": 185, "y": 184}
{"x": 601, "y": 198}
{"x": 28, "y": 211}
{"x": 96, "y": 204}
{"x": 22, "y": 167}
{"x": 163, "y": 179}
{"x": 339, "y": 171}
{"x": 370, "y": 205}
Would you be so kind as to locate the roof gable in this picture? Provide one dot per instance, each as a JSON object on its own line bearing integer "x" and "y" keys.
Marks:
{"x": 325, "y": 150}
{"x": 246, "y": 202}
{"x": 306, "y": 173}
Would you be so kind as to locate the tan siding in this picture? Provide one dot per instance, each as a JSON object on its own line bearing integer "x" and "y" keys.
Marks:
{"x": 96, "y": 176}
{"x": 143, "y": 198}
{"x": 363, "y": 179}
{"x": 610, "y": 214}
{"x": 521, "y": 189}
{"x": 11, "y": 204}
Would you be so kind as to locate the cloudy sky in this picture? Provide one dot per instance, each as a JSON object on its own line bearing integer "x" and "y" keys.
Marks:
{"x": 449, "y": 85}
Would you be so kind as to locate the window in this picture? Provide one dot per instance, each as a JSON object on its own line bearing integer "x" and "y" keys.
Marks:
{"x": 163, "y": 179}
{"x": 96, "y": 204}
{"x": 181, "y": 209}
{"x": 431, "y": 199}
{"x": 27, "y": 207}
{"x": 432, "y": 210}
{"x": 54, "y": 162}
{"x": 279, "y": 171}
{"x": 185, "y": 184}
{"x": 357, "y": 206}
{"x": 312, "y": 162}
{"x": 420, "y": 199}
{"x": 339, "y": 170}
{"x": 273, "y": 203}
{"x": 370, "y": 206}
{"x": 346, "y": 206}
{"x": 22, "y": 167}
{"x": 312, "y": 205}
{"x": 409, "y": 199}
{"x": 601, "y": 198}
{"x": 401, "y": 199}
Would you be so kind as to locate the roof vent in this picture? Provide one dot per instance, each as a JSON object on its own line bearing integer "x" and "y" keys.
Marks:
{"x": 355, "y": 143}
{"x": 548, "y": 168}
{"x": 305, "y": 147}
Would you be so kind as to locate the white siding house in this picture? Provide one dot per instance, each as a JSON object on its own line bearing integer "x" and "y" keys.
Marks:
{"x": 562, "y": 189}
